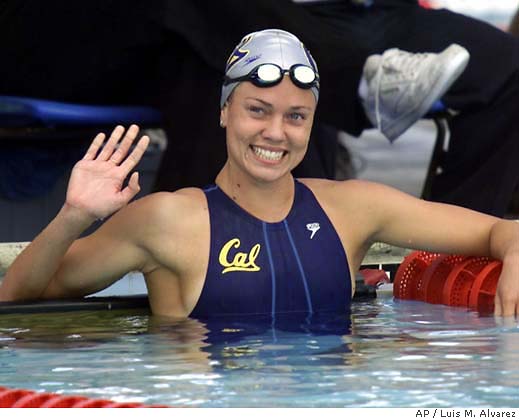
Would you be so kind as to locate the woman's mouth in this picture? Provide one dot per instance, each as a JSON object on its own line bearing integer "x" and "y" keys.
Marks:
{"x": 269, "y": 155}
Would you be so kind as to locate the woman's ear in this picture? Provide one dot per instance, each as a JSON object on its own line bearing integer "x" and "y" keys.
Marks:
{"x": 223, "y": 116}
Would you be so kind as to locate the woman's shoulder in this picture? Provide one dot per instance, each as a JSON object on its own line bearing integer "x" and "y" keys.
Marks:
{"x": 354, "y": 196}
{"x": 350, "y": 186}
{"x": 165, "y": 201}
{"x": 164, "y": 211}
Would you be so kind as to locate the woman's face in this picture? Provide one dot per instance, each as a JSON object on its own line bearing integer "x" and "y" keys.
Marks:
{"x": 268, "y": 129}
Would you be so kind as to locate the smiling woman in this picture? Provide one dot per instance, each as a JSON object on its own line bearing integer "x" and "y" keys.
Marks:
{"x": 268, "y": 129}
{"x": 258, "y": 241}
{"x": 267, "y": 132}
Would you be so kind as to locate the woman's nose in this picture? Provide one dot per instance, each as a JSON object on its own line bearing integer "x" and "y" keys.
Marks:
{"x": 274, "y": 129}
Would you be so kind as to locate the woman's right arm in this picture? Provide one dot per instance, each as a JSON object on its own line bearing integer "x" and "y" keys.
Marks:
{"x": 96, "y": 190}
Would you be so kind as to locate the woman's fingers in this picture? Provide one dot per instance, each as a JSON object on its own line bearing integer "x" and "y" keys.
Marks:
{"x": 498, "y": 309}
{"x": 505, "y": 307}
{"x": 135, "y": 156}
{"x": 116, "y": 152}
{"x": 124, "y": 146}
{"x": 91, "y": 153}
{"x": 115, "y": 149}
{"x": 111, "y": 144}
{"x": 132, "y": 188}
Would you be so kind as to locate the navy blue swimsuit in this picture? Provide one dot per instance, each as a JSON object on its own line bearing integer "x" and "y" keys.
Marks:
{"x": 255, "y": 267}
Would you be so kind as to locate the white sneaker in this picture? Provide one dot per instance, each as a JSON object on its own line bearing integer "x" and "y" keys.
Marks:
{"x": 398, "y": 88}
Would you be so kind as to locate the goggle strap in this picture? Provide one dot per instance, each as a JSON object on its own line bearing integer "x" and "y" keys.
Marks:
{"x": 253, "y": 77}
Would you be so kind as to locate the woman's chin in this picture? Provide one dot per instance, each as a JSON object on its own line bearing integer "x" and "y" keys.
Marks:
{"x": 269, "y": 174}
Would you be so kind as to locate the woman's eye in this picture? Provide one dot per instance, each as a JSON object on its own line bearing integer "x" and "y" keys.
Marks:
{"x": 256, "y": 110}
{"x": 296, "y": 116}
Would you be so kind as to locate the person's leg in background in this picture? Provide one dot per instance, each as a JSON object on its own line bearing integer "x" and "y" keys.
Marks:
{"x": 479, "y": 171}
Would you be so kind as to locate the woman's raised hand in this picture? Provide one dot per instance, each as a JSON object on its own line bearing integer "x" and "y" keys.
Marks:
{"x": 96, "y": 185}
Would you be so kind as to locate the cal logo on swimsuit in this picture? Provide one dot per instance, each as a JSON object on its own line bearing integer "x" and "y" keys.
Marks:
{"x": 239, "y": 261}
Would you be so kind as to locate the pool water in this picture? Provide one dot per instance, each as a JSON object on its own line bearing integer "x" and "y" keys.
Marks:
{"x": 386, "y": 354}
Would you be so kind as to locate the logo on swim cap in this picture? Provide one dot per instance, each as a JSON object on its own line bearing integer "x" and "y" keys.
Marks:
{"x": 270, "y": 46}
{"x": 239, "y": 53}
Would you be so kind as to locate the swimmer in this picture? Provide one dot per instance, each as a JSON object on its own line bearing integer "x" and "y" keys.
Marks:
{"x": 258, "y": 240}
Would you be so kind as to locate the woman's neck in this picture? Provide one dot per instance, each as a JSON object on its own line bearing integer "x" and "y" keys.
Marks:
{"x": 268, "y": 201}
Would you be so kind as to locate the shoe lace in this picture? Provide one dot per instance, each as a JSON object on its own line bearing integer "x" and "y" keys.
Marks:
{"x": 403, "y": 62}
{"x": 377, "y": 93}
{"x": 377, "y": 97}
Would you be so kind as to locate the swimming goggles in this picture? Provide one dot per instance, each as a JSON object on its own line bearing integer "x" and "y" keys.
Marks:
{"x": 266, "y": 75}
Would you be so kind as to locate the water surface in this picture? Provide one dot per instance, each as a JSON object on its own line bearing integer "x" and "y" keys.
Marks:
{"x": 386, "y": 354}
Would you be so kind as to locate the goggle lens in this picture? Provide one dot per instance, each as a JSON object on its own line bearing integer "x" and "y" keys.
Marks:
{"x": 304, "y": 74}
{"x": 268, "y": 73}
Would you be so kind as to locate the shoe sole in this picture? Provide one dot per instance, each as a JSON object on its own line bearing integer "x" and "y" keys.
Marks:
{"x": 456, "y": 66}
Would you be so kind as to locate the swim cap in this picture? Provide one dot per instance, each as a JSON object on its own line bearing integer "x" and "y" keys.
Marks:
{"x": 270, "y": 46}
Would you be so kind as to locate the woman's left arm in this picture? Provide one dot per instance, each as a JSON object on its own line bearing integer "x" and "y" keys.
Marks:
{"x": 402, "y": 220}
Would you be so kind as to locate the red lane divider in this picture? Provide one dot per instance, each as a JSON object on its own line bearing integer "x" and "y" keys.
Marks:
{"x": 409, "y": 274}
{"x": 485, "y": 285}
{"x": 20, "y": 398}
{"x": 435, "y": 276}
{"x": 452, "y": 280}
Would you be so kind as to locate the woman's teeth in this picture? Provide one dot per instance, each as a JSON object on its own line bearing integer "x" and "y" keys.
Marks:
{"x": 267, "y": 154}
